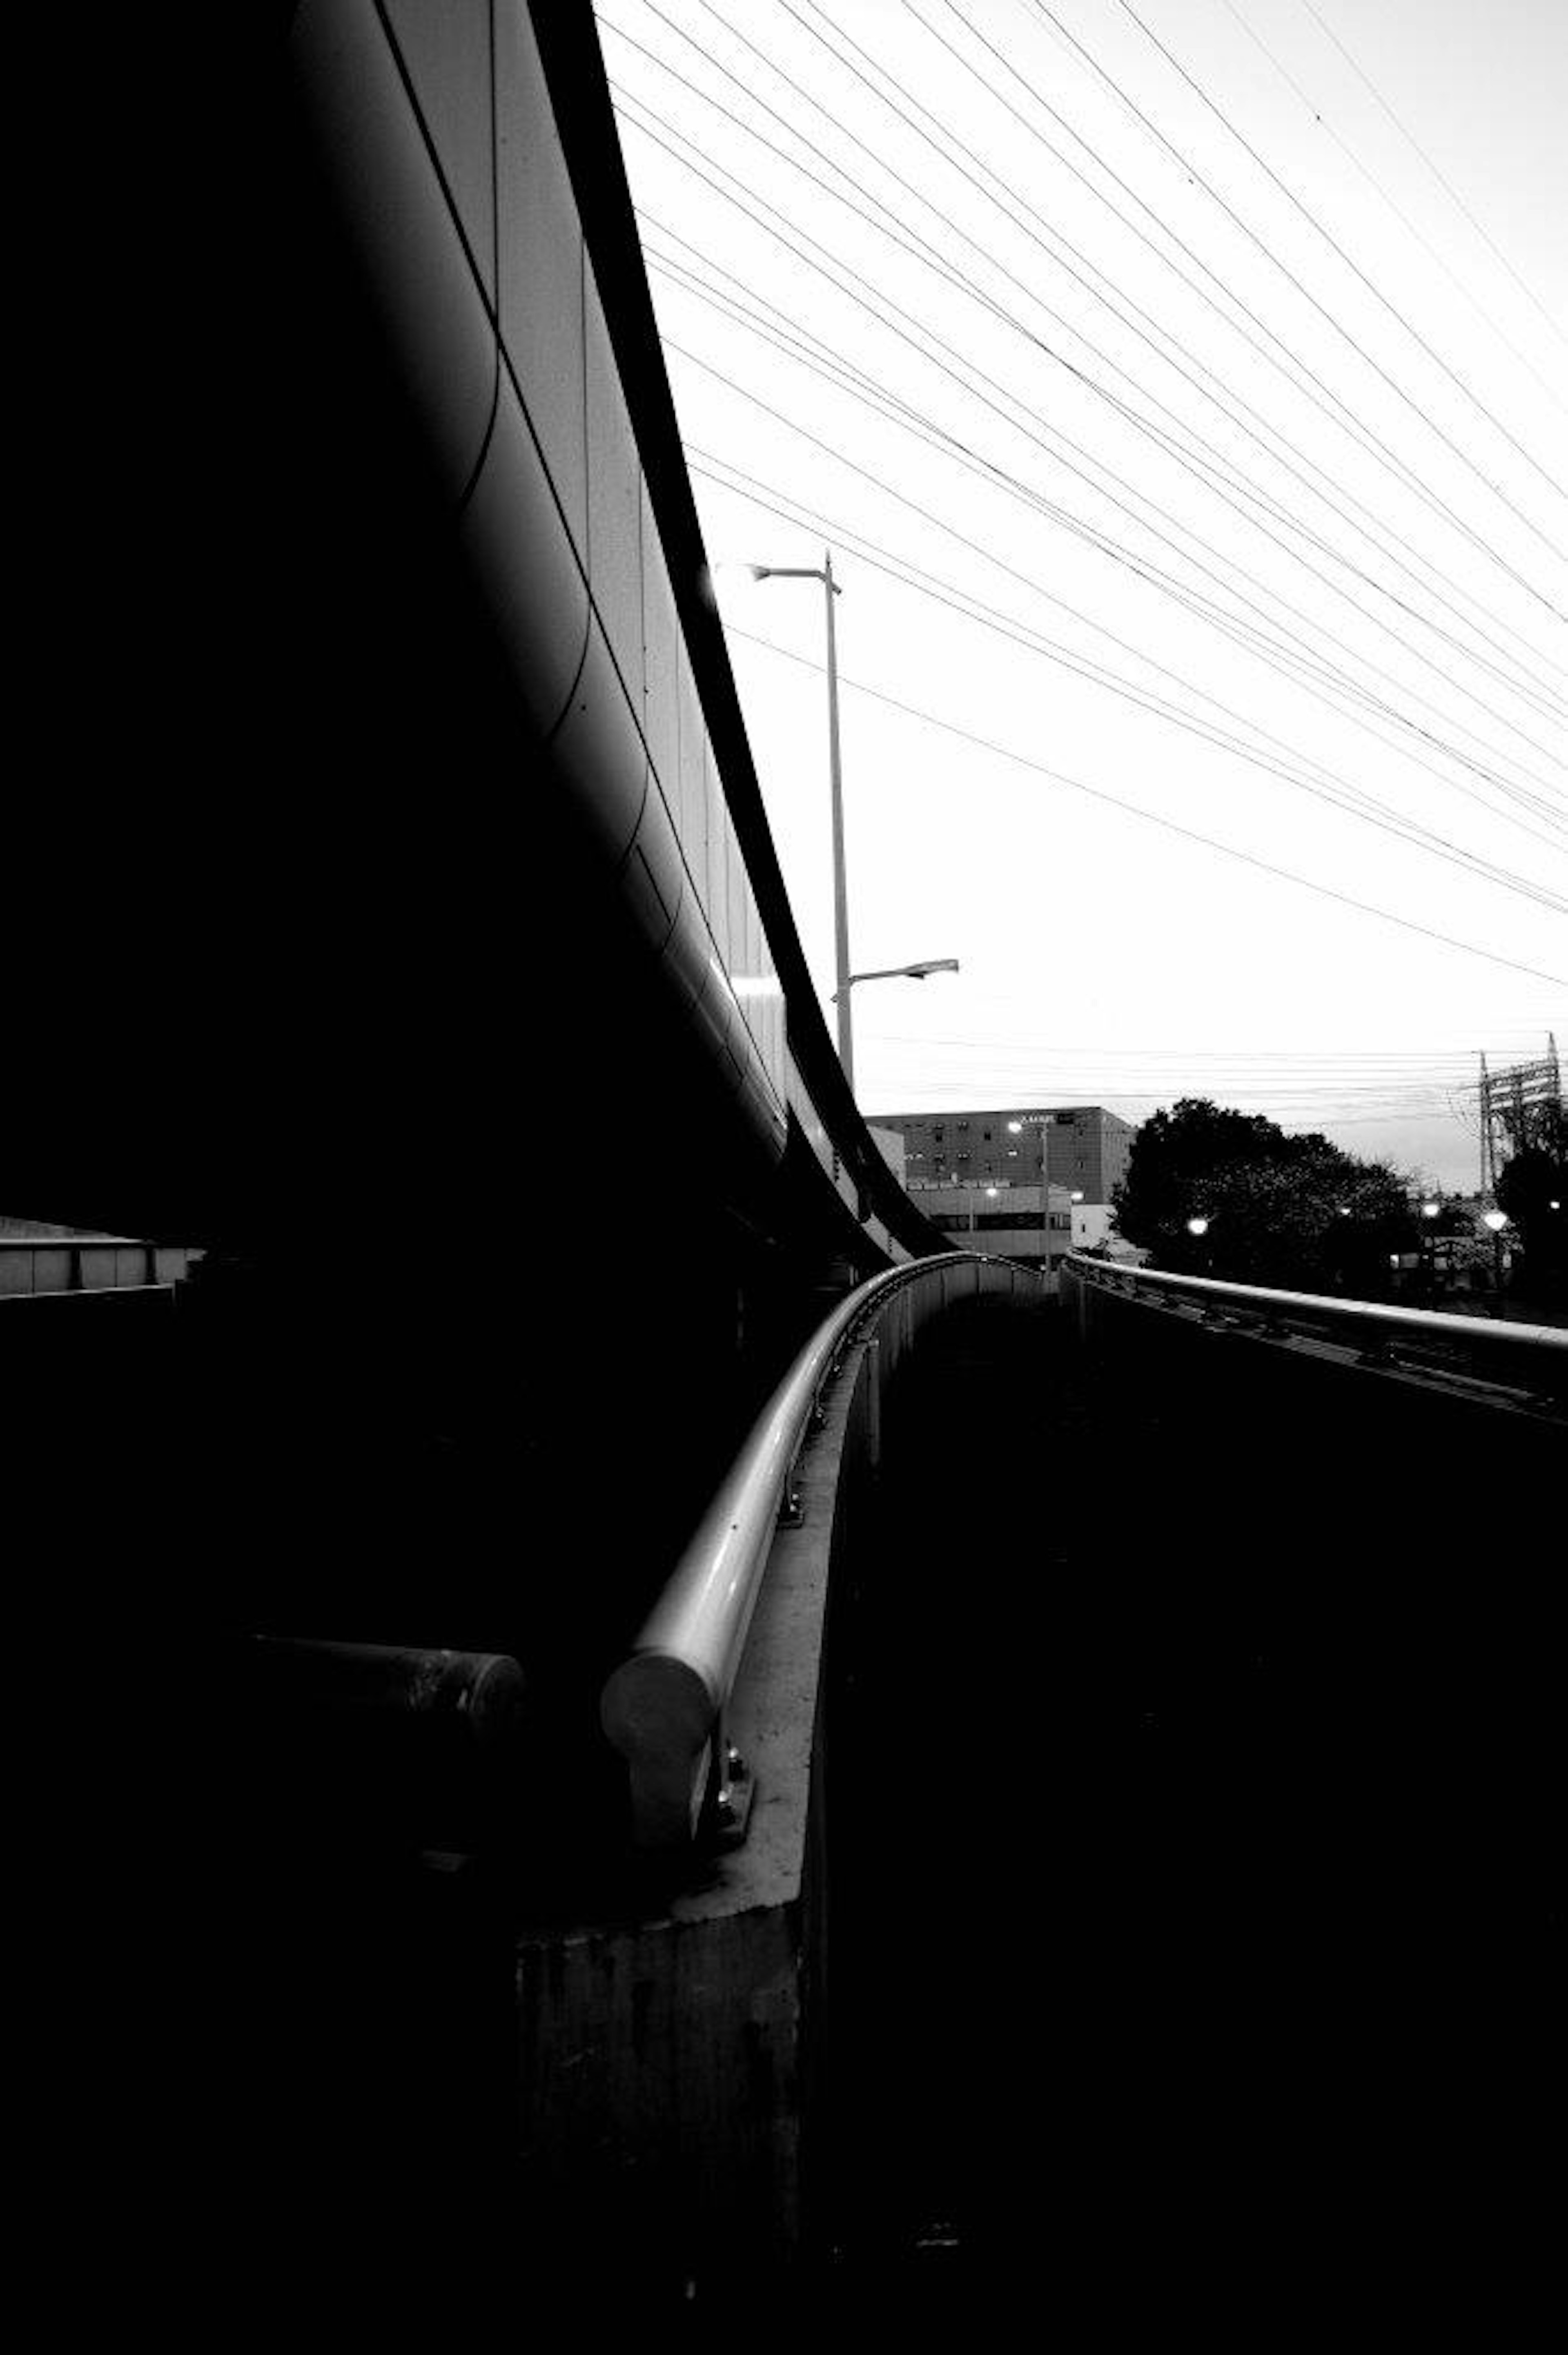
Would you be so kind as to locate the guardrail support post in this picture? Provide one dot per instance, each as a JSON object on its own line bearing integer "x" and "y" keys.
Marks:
{"x": 726, "y": 1808}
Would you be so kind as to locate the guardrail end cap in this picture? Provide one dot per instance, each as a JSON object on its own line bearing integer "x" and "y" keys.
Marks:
{"x": 655, "y": 1705}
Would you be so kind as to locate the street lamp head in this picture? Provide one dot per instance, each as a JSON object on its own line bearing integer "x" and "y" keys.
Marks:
{"x": 1430, "y": 1209}
{"x": 1197, "y": 1226}
{"x": 901, "y": 973}
{"x": 1496, "y": 1220}
{"x": 1015, "y": 1128}
{"x": 1077, "y": 1193}
{"x": 793, "y": 573}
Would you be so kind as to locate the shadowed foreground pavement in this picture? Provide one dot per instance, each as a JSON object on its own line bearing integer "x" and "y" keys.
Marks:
{"x": 1194, "y": 1926}
{"x": 1193, "y": 1937}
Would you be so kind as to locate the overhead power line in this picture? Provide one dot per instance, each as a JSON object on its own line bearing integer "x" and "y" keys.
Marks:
{"x": 1208, "y": 469}
{"x": 1039, "y": 427}
{"x": 1201, "y": 469}
{"x": 1442, "y": 182}
{"x": 1151, "y": 818}
{"x": 1141, "y": 425}
{"x": 1191, "y": 168}
{"x": 1318, "y": 394}
{"x": 1361, "y": 805}
{"x": 1321, "y": 120}
{"x": 1331, "y": 686}
{"x": 1043, "y": 1061}
{"x": 1376, "y": 292}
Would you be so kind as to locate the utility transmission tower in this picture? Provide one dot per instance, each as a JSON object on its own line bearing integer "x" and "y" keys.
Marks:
{"x": 1508, "y": 1100}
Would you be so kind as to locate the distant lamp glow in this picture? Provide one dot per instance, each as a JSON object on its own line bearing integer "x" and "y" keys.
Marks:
{"x": 990, "y": 1193}
{"x": 1496, "y": 1220}
{"x": 1015, "y": 1128}
{"x": 1430, "y": 1209}
{"x": 1343, "y": 1209}
{"x": 1197, "y": 1226}
{"x": 1554, "y": 1206}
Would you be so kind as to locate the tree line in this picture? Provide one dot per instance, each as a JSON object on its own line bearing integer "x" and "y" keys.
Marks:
{"x": 1301, "y": 1213}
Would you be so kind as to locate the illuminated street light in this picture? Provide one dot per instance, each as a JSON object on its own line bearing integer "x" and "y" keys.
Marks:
{"x": 1016, "y": 1128}
{"x": 1497, "y": 1220}
{"x": 1430, "y": 1209}
{"x": 1197, "y": 1226}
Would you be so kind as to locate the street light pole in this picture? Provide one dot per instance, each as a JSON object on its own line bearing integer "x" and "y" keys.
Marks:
{"x": 1016, "y": 1128}
{"x": 841, "y": 882}
{"x": 1045, "y": 1202}
{"x": 835, "y": 777}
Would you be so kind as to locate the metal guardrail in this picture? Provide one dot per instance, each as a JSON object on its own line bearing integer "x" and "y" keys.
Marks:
{"x": 1533, "y": 1358}
{"x": 663, "y": 1707}
{"x": 69, "y": 1264}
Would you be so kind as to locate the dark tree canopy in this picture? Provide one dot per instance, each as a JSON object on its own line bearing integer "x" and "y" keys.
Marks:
{"x": 1527, "y": 1186}
{"x": 1288, "y": 1210}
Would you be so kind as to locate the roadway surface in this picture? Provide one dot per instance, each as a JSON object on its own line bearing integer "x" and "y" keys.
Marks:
{"x": 1193, "y": 1934}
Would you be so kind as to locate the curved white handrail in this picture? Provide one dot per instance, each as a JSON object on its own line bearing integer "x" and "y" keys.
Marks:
{"x": 662, "y": 1705}
{"x": 1362, "y": 1321}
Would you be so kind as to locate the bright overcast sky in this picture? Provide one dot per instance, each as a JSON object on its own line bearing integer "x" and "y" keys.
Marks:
{"x": 1129, "y": 473}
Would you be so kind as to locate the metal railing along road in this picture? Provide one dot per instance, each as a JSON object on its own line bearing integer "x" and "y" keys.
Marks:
{"x": 1532, "y": 1358}
{"x": 663, "y": 1707}
{"x": 52, "y": 1266}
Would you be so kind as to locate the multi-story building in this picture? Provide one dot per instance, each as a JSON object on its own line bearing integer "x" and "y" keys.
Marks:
{"x": 1083, "y": 1148}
